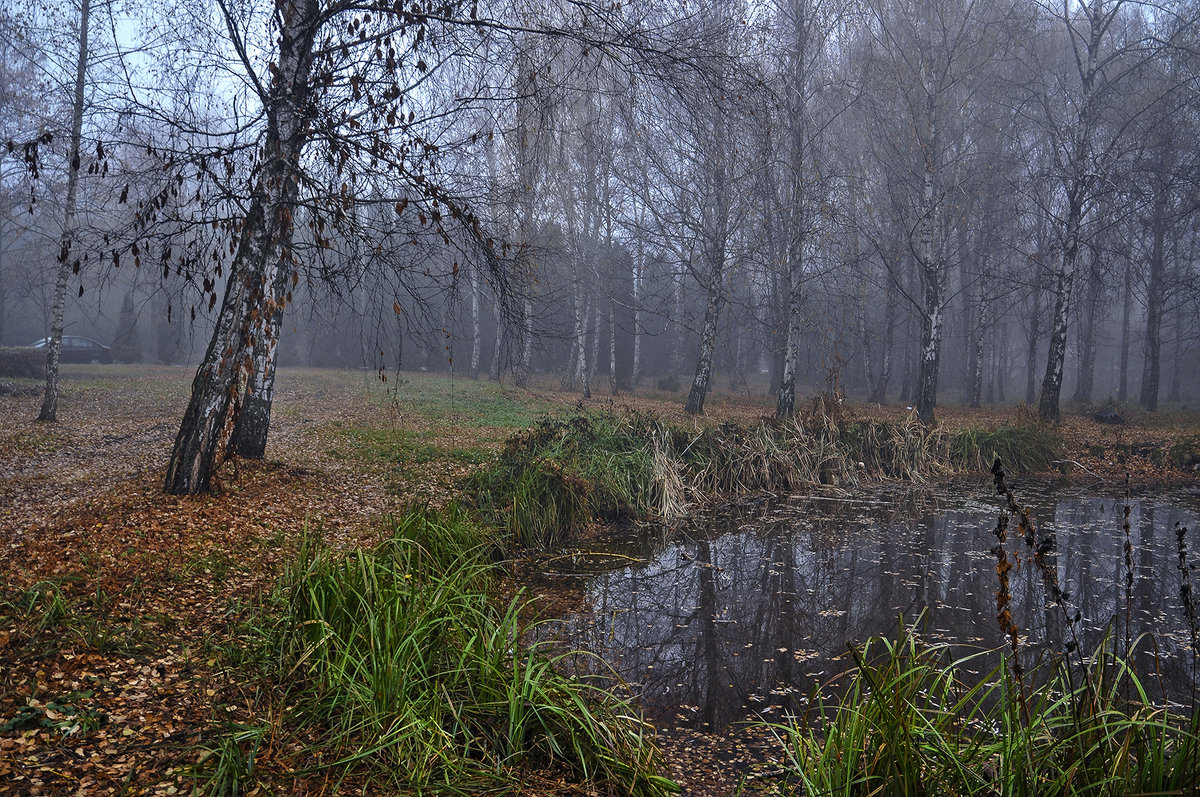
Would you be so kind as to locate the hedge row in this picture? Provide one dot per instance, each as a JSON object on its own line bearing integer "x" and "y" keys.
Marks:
{"x": 22, "y": 362}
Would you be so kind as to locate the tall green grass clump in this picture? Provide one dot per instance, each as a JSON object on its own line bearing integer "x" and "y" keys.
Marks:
{"x": 555, "y": 478}
{"x": 1029, "y": 446}
{"x": 397, "y": 660}
{"x": 899, "y": 728}
{"x": 1185, "y": 453}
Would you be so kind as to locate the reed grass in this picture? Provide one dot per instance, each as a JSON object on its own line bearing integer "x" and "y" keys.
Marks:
{"x": 552, "y": 480}
{"x": 396, "y": 661}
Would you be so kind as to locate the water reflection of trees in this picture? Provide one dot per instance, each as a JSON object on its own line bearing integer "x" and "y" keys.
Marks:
{"x": 755, "y": 606}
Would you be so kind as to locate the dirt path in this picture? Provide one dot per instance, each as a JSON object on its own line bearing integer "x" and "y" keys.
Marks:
{"x": 116, "y": 430}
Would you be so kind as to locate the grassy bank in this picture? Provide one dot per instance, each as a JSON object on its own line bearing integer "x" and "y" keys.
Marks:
{"x": 565, "y": 472}
{"x": 908, "y": 723}
{"x": 395, "y": 667}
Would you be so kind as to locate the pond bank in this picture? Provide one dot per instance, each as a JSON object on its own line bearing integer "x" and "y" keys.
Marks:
{"x": 553, "y": 480}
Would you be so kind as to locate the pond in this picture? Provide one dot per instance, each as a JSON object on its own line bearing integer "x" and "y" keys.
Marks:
{"x": 745, "y": 609}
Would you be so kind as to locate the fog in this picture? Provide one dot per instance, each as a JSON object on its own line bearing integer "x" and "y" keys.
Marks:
{"x": 928, "y": 203}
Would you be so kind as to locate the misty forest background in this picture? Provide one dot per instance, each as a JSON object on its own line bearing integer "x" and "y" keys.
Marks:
{"x": 626, "y": 195}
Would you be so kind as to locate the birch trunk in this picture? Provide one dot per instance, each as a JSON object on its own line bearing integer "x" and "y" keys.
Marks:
{"x": 1002, "y": 363}
{"x": 254, "y": 420}
{"x": 635, "y": 373}
{"x": 785, "y": 405}
{"x": 932, "y": 270}
{"x": 526, "y": 134}
{"x": 977, "y": 354}
{"x": 879, "y": 394}
{"x": 796, "y": 231}
{"x": 49, "y": 411}
{"x": 498, "y": 350}
{"x": 929, "y": 253}
{"x": 1064, "y": 277}
{"x": 676, "y": 321}
{"x": 1126, "y": 318}
{"x": 1087, "y": 334}
{"x": 1034, "y": 338}
{"x": 579, "y": 377}
{"x": 715, "y": 211}
{"x": 864, "y": 334}
{"x": 1151, "y": 375}
{"x": 476, "y": 334}
{"x": 1078, "y": 188}
{"x": 708, "y": 344}
{"x": 1175, "y": 391}
{"x": 219, "y": 388}
{"x": 613, "y": 389}
{"x": 594, "y": 315}
{"x": 526, "y": 333}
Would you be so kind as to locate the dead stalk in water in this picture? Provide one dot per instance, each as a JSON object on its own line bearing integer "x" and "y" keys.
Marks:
{"x": 1188, "y": 598}
{"x": 1004, "y": 595}
{"x": 1128, "y": 567}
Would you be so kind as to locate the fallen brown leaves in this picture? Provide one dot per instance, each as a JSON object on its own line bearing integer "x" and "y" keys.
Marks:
{"x": 119, "y": 597}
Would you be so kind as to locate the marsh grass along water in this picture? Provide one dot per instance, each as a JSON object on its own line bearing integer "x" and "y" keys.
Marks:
{"x": 748, "y": 609}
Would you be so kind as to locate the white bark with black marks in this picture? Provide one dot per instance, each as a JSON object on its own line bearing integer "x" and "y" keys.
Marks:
{"x": 49, "y": 410}
{"x": 207, "y": 435}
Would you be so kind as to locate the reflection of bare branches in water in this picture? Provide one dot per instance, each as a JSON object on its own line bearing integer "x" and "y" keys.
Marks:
{"x": 746, "y": 608}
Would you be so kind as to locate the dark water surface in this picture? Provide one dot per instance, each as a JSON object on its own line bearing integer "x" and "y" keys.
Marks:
{"x": 746, "y": 609}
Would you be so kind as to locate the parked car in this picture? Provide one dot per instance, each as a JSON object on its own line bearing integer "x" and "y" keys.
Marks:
{"x": 78, "y": 349}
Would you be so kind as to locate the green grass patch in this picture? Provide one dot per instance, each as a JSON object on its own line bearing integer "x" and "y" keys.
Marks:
{"x": 472, "y": 403}
{"x": 227, "y": 766}
{"x": 908, "y": 724}
{"x": 401, "y": 450}
{"x": 1185, "y": 453}
{"x": 556, "y": 477}
{"x": 48, "y": 615}
{"x": 400, "y": 666}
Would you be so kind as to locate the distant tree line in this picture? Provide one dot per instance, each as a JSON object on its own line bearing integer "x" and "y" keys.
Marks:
{"x": 972, "y": 201}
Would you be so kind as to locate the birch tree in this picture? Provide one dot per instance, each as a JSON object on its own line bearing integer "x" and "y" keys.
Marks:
{"x": 1084, "y": 106}
{"x": 689, "y": 143}
{"x": 927, "y": 66}
{"x": 806, "y": 27}
{"x": 49, "y": 409}
{"x": 339, "y": 76}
